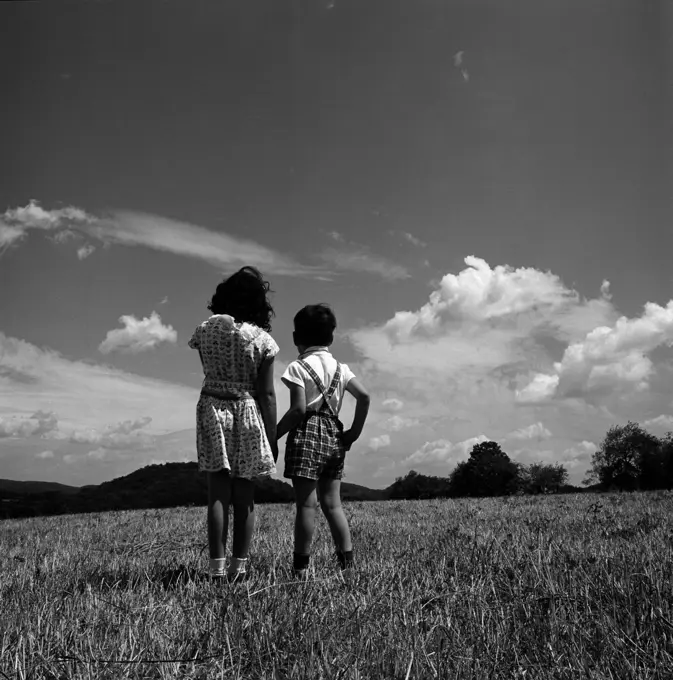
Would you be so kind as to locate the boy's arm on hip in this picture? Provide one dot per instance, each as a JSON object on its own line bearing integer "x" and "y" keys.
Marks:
{"x": 355, "y": 388}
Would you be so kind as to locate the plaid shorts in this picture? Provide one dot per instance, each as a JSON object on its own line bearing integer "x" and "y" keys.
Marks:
{"x": 314, "y": 448}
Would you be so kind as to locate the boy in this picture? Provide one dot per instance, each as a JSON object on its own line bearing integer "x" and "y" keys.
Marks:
{"x": 316, "y": 446}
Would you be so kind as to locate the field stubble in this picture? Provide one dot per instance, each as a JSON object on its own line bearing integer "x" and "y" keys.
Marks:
{"x": 521, "y": 587}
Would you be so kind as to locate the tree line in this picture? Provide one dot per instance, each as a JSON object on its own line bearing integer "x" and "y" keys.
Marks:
{"x": 629, "y": 458}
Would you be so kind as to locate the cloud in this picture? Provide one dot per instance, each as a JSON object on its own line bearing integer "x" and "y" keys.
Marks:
{"x": 609, "y": 357}
{"x": 479, "y": 355}
{"x": 444, "y": 451}
{"x": 482, "y": 318}
{"x": 529, "y": 456}
{"x": 64, "y": 236}
{"x": 141, "y": 229}
{"x": 414, "y": 240}
{"x": 85, "y": 395}
{"x": 45, "y": 454}
{"x": 138, "y": 335}
{"x": 534, "y": 431}
{"x": 578, "y": 455}
{"x": 540, "y": 388}
{"x": 131, "y": 228}
{"x": 97, "y": 454}
{"x": 396, "y": 423}
{"x": 123, "y": 435}
{"x": 392, "y": 405}
{"x": 379, "y": 442}
{"x": 85, "y": 251}
{"x": 359, "y": 260}
{"x": 662, "y": 422}
{"x": 39, "y": 423}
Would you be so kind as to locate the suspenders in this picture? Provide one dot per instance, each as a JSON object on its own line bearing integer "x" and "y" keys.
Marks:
{"x": 326, "y": 394}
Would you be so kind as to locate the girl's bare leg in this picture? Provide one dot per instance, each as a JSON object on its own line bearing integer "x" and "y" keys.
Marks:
{"x": 243, "y": 499}
{"x": 219, "y": 495}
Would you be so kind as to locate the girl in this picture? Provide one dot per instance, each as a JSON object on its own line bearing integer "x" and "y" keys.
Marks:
{"x": 236, "y": 412}
{"x": 316, "y": 445}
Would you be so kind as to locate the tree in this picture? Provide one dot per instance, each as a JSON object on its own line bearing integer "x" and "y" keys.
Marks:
{"x": 488, "y": 472}
{"x": 666, "y": 454}
{"x": 416, "y": 486}
{"x": 628, "y": 458}
{"x": 543, "y": 478}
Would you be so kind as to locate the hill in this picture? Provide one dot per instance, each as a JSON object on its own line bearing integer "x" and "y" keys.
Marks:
{"x": 154, "y": 486}
{"x": 22, "y": 488}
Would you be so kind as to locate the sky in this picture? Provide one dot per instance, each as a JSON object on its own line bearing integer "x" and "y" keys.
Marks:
{"x": 481, "y": 190}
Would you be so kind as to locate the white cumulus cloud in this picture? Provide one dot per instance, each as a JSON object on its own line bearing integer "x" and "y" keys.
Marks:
{"x": 39, "y": 423}
{"x": 534, "y": 431}
{"x": 609, "y": 356}
{"x": 663, "y": 422}
{"x": 380, "y": 442}
{"x": 578, "y": 455}
{"x": 84, "y": 251}
{"x": 392, "y": 405}
{"x": 138, "y": 335}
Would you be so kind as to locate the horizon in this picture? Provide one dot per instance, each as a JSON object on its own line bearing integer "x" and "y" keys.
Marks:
{"x": 481, "y": 192}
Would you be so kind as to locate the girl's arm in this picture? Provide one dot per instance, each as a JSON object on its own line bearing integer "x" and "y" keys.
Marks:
{"x": 266, "y": 397}
{"x": 295, "y": 413}
{"x": 361, "y": 410}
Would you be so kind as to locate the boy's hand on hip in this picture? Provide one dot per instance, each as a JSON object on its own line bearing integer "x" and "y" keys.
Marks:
{"x": 348, "y": 439}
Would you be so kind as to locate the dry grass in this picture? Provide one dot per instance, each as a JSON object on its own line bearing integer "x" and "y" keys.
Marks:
{"x": 553, "y": 587}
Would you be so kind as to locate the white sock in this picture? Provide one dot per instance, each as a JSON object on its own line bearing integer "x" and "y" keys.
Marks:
{"x": 237, "y": 565}
{"x": 217, "y": 566}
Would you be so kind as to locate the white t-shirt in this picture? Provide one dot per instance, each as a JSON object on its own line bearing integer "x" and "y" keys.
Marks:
{"x": 324, "y": 364}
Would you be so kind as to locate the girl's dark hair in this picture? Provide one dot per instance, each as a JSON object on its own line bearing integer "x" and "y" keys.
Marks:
{"x": 314, "y": 325}
{"x": 244, "y": 295}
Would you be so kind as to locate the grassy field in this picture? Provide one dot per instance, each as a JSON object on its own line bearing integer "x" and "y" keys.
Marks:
{"x": 524, "y": 587}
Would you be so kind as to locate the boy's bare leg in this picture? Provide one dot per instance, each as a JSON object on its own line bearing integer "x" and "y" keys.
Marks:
{"x": 330, "y": 501}
{"x": 243, "y": 499}
{"x": 307, "y": 504}
{"x": 219, "y": 495}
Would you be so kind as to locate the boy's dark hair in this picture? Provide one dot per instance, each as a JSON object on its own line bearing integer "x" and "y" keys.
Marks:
{"x": 314, "y": 325}
{"x": 244, "y": 296}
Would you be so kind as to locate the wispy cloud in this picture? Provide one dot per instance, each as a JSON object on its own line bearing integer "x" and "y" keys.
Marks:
{"x": 82, "y": 395}
{"x": 414, "y": 240}
{"x": 359, "y": 260}
{"x": 141, "y": 229}
{"x": 410, "y": 238}
{"x": 138, "y": 335}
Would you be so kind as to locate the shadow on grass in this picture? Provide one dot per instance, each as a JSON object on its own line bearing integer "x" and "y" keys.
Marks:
{"x": 106, "y": 580}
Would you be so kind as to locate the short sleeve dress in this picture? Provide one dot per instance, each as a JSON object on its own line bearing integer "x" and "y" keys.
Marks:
{"x": 230, "y": 433}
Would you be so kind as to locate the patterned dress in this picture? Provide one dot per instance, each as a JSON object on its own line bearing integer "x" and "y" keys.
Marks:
{"x": 230, "y": 433}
